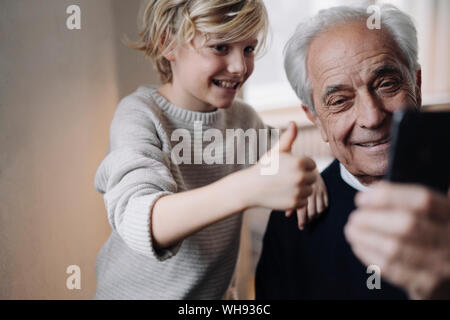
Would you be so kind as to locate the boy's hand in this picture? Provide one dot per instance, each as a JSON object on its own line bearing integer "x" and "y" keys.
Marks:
{"x": 317, "y": 203}
{"x": 291, "y": 183}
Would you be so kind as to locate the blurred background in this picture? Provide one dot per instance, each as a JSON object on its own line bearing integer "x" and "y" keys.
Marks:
{"x": 59, "y": 89}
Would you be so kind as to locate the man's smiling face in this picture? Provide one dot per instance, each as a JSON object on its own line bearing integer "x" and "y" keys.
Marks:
{"x": 358, "y": 80}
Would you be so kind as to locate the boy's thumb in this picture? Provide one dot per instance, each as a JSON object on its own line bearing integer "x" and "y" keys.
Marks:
{"x": 288, "y": 137}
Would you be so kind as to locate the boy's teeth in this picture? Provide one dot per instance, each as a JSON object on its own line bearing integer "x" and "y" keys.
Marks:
{"x": 226, "y": 84}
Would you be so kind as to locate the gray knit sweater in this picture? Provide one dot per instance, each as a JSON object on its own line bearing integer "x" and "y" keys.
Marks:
{"x": 136, "y": 172}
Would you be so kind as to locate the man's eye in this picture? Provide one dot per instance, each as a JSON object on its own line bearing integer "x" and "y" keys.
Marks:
{"x": 387, "y": 84}
{"x": 337, "y": 102}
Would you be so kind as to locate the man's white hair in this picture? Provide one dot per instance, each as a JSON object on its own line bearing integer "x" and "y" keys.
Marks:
{"x": 399, "y": 25}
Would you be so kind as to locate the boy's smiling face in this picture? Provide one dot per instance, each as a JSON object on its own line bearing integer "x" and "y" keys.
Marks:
{"x": 208, "y": 75}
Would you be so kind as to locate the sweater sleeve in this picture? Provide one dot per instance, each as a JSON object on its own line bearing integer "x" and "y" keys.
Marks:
{"x": 134, "y": 175}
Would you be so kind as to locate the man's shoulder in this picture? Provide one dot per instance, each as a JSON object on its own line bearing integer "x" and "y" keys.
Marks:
{"x": 340, "y": 193}
{"x": 332, "y": 171}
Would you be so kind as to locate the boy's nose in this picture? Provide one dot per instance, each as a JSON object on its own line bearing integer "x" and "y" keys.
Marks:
{"x": 237, "y": 64}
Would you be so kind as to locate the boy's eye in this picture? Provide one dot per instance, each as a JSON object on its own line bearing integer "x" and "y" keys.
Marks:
{"x": 220, "y": 48}
{"x": 249, "y": 49}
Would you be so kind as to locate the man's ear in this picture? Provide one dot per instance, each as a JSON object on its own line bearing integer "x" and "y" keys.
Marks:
{"x": 313, "y": 118}
{"x": 419, "y": 87}
{"x": 309, "y": 114}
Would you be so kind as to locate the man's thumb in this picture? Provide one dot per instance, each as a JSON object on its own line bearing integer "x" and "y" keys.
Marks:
{"x": 288, "y": 137}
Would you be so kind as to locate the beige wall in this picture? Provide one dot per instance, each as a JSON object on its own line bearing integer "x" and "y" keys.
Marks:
{"x": 58, "y": 91}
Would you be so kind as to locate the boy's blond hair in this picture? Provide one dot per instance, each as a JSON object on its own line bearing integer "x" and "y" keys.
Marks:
{"x": 175, "y": 22}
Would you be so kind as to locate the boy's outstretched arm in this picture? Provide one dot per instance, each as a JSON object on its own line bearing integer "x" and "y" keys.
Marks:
{"x": 176, "y": 216}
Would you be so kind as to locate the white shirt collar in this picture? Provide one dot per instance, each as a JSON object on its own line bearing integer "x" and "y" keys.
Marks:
{"x": 351, "y": 179}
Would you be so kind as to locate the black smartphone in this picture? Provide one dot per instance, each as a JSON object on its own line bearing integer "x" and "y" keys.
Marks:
{"x": 420, "y": 149}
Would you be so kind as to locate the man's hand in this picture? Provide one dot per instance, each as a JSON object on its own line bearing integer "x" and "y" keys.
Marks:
{"x": 404, "y": 230}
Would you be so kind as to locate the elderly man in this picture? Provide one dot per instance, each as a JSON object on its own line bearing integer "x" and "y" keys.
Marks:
{"x": 351, "y": 79}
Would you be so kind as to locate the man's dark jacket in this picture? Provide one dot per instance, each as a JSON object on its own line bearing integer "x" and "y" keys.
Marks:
{"x": 316, "y": 263}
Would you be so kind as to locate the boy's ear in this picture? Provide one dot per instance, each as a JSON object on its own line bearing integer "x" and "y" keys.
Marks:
{"x": 313, "y": 118}
{"x": 169, "y": 55}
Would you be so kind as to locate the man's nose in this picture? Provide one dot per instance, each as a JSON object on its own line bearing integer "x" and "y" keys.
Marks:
{"x": 370, "y": 112}
{"x": 237, "y": 63}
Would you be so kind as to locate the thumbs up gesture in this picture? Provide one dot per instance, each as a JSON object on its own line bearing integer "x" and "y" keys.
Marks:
{"x": 288, "y": 184}
{"x": 287, "y": 138}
